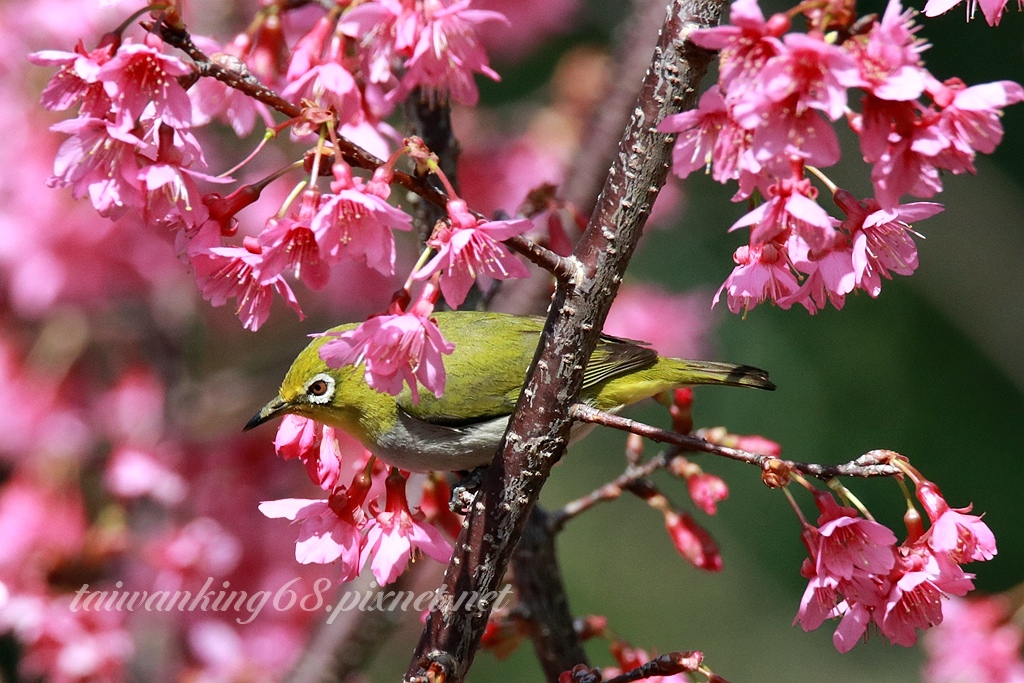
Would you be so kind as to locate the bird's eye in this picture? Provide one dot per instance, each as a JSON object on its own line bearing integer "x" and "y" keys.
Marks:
{"x": 320, "y": 389}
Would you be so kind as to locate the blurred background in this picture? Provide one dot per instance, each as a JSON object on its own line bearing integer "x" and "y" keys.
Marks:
{"x": 122, "y": 392}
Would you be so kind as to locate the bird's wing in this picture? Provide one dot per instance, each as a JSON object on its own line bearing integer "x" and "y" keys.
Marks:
{"x": 493, "y": 352}
{"x": 614, "y": 357}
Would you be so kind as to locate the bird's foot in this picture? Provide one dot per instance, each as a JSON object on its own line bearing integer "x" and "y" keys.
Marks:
{"x": 465, "y": 490}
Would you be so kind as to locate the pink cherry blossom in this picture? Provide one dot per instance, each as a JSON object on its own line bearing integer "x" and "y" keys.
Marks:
{"x": 849, "y": 543}
{"x": 710, "y": 139}
{"x": 745, "y": 46}
{"x": 396, "y": 533}
{"x": 329, "y": 85}
{"x": 233, "y": 273}
{"x": 472, "y": 247}
{"x": 807, "y": 73}
{"x": 356, "y": 222}
{"x": 761, "y": 274}
{"x": 289, "y": 244}
{"x": 920, "y": 584}
{"x": 100, "y": 163}
{"x": 324, "y": 535}
{"x": 789, "y": 208}
{"x": 76, "y": 81}
{"x": 820, "y": 598}
{"x": 395, "y": 349}
{"x": 830, "y": 274}
{"x": 889, "y": 56}
{"x": 964, "y": 537}
{"x": 139, "y": 74}
{"x": 447, "y": 52}
{"x": 297, "y": 437}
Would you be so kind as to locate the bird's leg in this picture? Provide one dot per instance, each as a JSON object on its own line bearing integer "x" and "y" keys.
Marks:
{"x": 465, "y": 489}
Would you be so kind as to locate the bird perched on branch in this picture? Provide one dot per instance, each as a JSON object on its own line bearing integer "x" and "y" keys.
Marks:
{"x": 461, "y": 429}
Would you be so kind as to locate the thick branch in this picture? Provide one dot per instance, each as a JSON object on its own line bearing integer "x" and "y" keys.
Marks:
{"x": 539, "y": 430}
{"x": 871, "y": 464}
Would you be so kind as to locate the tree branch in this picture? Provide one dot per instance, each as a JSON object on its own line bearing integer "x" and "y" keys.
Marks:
{"x": 539, "y": 430}
{"x": 871, "y": 464}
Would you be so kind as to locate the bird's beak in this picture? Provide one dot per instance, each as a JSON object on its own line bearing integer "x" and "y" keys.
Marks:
{"x": 276, "y": 406}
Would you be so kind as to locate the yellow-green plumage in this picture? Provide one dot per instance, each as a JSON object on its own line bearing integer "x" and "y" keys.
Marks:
{"x": 461, "y": 429}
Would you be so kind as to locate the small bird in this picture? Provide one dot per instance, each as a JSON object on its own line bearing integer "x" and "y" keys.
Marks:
{"x": 462, "y": 428}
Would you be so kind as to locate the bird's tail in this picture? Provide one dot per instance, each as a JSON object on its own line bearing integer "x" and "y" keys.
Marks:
{"x": 711, "y": 372}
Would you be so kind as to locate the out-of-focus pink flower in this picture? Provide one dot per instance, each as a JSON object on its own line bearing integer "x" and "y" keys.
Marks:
{"x": 977, "y": 641}
{"x": 133, "y": 472}
{"x": 41, "y": 525}
{"x": 254, "y": 651}
{"x": 469, "y": 248}
{"x": 67, "y": 645}
{"x": 707, "y": 490}
{"x": 395, "y": 533}
{"x": 395, "y": 349}
{"x": 529, "y": 22}
{"x": 675, "y": 324}
{"x": 197, "y": 550}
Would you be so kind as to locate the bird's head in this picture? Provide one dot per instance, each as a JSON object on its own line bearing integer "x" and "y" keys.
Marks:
{"x": 338, "y": 397}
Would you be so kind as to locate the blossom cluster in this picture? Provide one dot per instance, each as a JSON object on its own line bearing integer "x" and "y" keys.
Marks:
{"x": 770, "y": 118}
{"x": 857, "y": 573}
{"x": 349, "y": 527}
{"x": 131, "y": 148}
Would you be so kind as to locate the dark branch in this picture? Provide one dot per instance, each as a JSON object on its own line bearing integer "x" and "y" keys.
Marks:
{"x": 872, "y": 464}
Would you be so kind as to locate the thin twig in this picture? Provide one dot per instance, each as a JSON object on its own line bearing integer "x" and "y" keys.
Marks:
{"x": 871, "y": 464}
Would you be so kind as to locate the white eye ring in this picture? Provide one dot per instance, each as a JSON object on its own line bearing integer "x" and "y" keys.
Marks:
{"x": 319, "y": 389}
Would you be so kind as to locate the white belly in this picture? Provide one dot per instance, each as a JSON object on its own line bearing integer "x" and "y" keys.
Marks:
{"x": 420, "y": 446}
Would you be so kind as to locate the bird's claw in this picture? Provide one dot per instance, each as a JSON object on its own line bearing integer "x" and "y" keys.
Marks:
{"x": 465, "y": 490}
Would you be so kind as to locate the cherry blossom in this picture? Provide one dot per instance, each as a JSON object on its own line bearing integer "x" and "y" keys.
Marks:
{"x": 394, "y": 534}
{"x": 472, "y": 247}
{"x": 395, "y": 349}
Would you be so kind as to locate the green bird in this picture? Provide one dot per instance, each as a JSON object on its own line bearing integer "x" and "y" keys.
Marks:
{"x": 461, "y": 430}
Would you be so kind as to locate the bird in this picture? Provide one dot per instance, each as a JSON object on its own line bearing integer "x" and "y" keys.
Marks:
{"x": 461, "y": 429}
